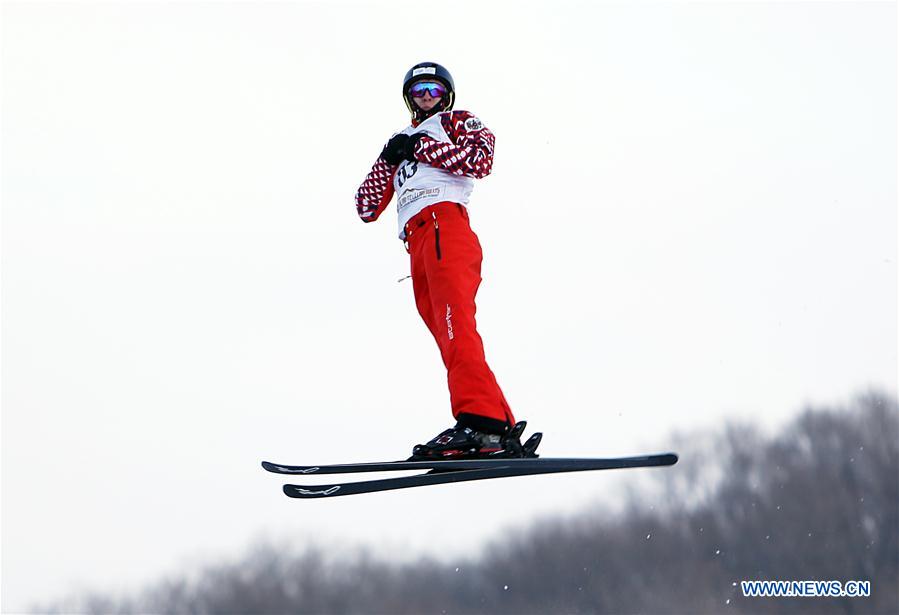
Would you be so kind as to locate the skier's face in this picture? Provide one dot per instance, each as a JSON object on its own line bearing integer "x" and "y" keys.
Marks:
{"x": 426, "y": 102}
{"x": 427, "y": 94}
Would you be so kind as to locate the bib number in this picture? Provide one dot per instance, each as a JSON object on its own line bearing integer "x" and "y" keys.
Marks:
{"x": 405, "y": 172}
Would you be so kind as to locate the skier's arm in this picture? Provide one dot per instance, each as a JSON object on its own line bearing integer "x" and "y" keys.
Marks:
{"x": 376, "y": 191}
{"x": 470, "y": 153}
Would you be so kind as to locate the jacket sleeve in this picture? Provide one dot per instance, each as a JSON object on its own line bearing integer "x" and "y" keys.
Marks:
{"x": 471, "y": 150}
{"x": 375, "y": 193}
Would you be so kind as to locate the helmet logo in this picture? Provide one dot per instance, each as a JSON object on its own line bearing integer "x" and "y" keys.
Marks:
{"x": 424, "y": 70}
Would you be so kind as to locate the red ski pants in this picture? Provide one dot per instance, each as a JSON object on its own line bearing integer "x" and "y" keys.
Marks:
{"x": 446, "y": 273}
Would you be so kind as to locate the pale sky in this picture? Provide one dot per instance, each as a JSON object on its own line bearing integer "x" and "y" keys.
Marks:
{"x": 692, "y": 218}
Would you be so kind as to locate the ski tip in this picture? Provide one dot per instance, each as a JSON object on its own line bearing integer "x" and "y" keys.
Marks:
{"x": 668, "y": 459}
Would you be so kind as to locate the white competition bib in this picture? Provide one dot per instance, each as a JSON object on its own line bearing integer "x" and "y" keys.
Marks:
{"x": 417, "y": 184}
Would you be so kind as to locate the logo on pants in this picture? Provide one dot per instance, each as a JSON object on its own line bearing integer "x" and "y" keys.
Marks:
{"x": 449, "y": 321}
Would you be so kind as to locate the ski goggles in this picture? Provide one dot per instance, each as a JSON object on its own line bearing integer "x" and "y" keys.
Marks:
{"x": 434, "y": 88}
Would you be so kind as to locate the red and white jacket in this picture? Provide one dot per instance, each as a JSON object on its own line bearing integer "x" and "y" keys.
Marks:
{"x": 458, "y": 148}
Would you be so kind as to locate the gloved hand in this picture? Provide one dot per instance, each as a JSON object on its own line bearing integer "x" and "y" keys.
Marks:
{"x": 393, "y": 152}
{"x": 411, "y": 144}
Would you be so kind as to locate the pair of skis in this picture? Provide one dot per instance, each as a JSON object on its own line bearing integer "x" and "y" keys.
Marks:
{"x": 440, "y": 472}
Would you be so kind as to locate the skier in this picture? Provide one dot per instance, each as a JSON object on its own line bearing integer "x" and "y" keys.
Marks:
{"x": 431, "y": 165}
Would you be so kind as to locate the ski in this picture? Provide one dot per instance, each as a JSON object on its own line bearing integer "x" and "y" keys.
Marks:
{"x": 443, "y": 464}
{"x": 453, "y": 471}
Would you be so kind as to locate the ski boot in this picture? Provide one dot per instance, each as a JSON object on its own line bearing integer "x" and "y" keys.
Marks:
{"x": 465, "y": 442}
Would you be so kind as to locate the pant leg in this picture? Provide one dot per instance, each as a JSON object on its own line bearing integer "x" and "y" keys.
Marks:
{"x": 422, "y": 293}
{"x": 449, "y": 253}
